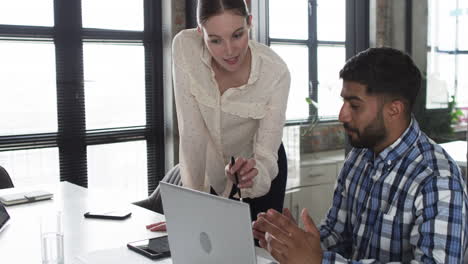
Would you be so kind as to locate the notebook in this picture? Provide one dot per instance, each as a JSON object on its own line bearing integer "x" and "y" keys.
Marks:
{"x": 25, "y": 197}
{"x": 207, "y": 229}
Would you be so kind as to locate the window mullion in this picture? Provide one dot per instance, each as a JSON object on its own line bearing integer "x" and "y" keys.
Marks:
{"x": 312, "y": 44}
{"x": 154, "y": 93}
{"x": 70, "y": 92}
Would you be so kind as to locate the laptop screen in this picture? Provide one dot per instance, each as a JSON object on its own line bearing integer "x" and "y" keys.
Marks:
{"x": 4, "y": 216}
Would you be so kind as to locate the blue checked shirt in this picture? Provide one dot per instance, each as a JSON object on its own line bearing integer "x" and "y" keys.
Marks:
{"x": 407, "y": 204}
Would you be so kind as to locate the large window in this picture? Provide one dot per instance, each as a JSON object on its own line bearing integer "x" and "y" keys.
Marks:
{"x": 447, "y": 53}
{"x": 310, "y": 35}
{"x": 82, "y": 96}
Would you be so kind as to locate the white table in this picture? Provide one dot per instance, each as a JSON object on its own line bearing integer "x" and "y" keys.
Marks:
{"x": 85, "y": 240}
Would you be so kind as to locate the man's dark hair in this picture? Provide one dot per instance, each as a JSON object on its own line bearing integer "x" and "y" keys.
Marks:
{"x": 385, "y": 71}
{"x": 209, "y": 8}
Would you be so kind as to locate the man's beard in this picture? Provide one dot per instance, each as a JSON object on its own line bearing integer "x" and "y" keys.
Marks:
{"x": 371, "y": 136}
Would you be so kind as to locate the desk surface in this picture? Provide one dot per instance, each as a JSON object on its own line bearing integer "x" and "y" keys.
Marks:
{"x": 85, "y": 240}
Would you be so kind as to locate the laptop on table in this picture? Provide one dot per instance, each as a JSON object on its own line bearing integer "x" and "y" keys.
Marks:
{"x": 207, "y": 229}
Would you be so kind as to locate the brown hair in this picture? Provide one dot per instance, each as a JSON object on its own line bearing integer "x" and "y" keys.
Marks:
{"x": 209, "y": 8}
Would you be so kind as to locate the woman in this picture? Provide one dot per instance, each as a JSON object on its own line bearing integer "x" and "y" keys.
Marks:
{"x": 231, "y": 95}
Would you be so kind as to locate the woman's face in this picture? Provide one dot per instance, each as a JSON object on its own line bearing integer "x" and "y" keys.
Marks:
{"x": 226, "y": 36}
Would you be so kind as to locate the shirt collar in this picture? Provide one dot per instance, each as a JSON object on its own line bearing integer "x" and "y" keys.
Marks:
{"x": 393, "y": 153}
{"x": 206, "y": 58}
{"x": 403, "y": 144}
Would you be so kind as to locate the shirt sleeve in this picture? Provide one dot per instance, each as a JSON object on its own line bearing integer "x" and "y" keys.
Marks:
{"x": 268, "y": 138}
{"x": 193, "y": 133}
{"x": 440, "y": 229}
{"x": 334, "y": 231}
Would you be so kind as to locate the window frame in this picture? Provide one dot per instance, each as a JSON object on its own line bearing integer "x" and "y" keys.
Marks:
{"x": 72, "y": 138}
{"x": 455, "y": 52}
{"x": 357, "y": 39}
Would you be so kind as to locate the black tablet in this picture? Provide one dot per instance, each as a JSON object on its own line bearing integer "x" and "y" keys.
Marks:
{"x": 4, "y": 217}
{"x": 153, "y": 248}
{"x": 112, "y": 215}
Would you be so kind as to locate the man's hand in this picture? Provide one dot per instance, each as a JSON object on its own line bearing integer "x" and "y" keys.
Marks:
{"x": 246, "y": 171}
{"x": 285, "y": 241}
{"x": 260, "y": 235}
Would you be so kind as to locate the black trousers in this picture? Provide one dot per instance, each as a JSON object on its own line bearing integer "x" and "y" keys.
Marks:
{"x": 274, "y": 199}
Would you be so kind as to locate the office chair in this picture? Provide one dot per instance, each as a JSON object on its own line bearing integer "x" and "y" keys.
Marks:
{"x": 154, "y": 201}
{"x": 5, "y": 180}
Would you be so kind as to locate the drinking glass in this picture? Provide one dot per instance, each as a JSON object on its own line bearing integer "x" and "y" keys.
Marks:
{"x": 52, "y": 238}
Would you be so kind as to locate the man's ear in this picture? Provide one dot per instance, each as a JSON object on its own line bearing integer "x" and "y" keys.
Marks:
{"x": 199, "y": 29}
{"x": 395, "y": 109}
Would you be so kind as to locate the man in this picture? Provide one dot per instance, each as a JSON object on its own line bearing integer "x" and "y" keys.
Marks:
{"x": 399, "y": 197}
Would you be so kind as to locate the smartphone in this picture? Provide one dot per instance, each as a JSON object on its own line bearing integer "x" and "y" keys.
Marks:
{"x": 154, "y": 248}
{"x": 113, "y": 215}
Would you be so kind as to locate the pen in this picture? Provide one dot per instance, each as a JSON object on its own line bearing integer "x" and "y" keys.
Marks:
{"x": 236, "y": 175}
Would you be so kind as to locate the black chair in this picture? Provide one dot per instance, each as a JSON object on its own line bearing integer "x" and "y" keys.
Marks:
{"x": 154, "y": 201}
{"x": 5, "y": 180}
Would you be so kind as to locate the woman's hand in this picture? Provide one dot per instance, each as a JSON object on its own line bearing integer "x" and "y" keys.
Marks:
{"x": 159, "y": 226}
{"x": 245, "y": 168}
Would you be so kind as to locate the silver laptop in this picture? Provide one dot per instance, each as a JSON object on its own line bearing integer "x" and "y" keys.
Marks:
{"x": 207, "y": 229}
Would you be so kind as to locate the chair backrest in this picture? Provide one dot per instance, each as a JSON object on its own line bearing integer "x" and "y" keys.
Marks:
{"x": 154, "y": 201}
{"x": 5, "y": 180}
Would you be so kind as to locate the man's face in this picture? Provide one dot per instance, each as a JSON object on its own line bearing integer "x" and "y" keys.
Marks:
{"x": 362, "y": 116}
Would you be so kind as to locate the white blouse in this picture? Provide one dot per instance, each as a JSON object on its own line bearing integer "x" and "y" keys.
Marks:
{"x": 245, "y": 121}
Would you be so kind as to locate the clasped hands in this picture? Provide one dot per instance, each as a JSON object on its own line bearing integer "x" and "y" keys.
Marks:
{"x": 285, "y": 240}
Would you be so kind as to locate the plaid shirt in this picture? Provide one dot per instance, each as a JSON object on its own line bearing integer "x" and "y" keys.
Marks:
{"x": 407, "y": 204}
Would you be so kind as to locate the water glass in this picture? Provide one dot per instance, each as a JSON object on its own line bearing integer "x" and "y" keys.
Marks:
{"x": 52, "y": 238}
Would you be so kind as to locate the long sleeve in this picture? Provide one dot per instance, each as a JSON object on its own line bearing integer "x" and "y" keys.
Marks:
{"x": 193, "y": 134}
{"x": 268, "y": 138}
{"x": 439, "y": 232}
{"x": 334, "y": 233}
{"x": 407, "y": 204}
{"x": 244, "y": 121}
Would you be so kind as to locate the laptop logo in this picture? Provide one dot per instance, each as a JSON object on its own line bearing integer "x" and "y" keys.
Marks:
{"x": 205, "y": 242}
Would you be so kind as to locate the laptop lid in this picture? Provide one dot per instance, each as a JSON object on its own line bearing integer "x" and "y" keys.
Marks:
{"x": 4, "y": 217}
{"x": 207, "y": 229}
